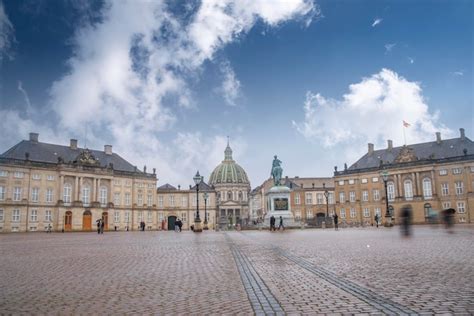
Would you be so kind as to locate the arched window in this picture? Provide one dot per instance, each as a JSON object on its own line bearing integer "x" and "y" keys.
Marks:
{"x": 427, "y": 191}
{"x": 103, "y": 195}
{"x": 86, "y": 195}
{"x": 391, "y": 191}
{"x": 408, "y": 186}
{"x": 67, "y": 193}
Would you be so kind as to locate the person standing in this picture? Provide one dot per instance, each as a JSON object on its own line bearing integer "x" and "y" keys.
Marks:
{"x": 102, "y": 225}
{"x": 98, "y": 225}
{"x": 281, "y": 224}
{"x": 272, "y": 223}
{"x": 336, "y": 220}
{"x": 180, "y": 225}
{"x": 376, "y": 218}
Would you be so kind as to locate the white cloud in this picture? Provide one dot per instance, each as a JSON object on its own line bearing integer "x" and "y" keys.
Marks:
{"x": 126, "y": 79}
{"x": 230, "y": 88}
{"x": 377, "y": 22}
{"x": 6, "y": 34}
{"x": 372, "y": 111}
{"x": 389, "y": 47}
{"x": 25, "y": 96}
{"x": 458, "y": 73}
{"x": 411, "y": 60}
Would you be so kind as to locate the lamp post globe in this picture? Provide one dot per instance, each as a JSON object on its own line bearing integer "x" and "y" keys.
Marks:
{"x": 197, "y": 220}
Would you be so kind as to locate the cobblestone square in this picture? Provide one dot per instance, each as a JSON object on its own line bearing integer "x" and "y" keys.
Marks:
{"x": 350, "y": 271}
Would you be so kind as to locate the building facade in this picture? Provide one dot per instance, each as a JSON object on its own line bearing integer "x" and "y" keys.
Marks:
{"x": 174, "y": 203}
{"x": 68, "y": 188}
{"x": 426, "y": 177}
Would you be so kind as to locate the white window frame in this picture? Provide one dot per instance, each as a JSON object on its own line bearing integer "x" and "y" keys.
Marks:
{"x": 309, "y": 198}
{"x": 342, "y": 212}
{"x": 342, "y": 197}
{"x": 116, "y": 216}
{"x": 331, "y": 198}
{"x": 3, "y": 173}
{"x": 457, "y": 170}
{"x": 184, "y": 217}
{"x": 103, "y": 195}
{"x": 184, "y": 201}
{"x": 319, "y": 198}
{"x": 160, "y": 201}
{"x": 2, "y": 193}
{"x": 67, "y": 190}
{"x": 364, "y": 180}
{"x": 16, "y": 216}
{"x": 351, "y": 181}
{"x": 34, "y": 215}
{"x": 2, "y": 215}
{"x": 50, "y": 177}
{"x": 427, "y": 189}
{"x": 309, "y": 214}
{"x": 149, "y": 200}
{"x": 459, "y": 187}
{"x": 446, "y": 204}
{"x": 36, "y": 176}
{"x": 48, "y": 216}
{"x": 127, "y": 217}
{"x": 86, "y": 195}
{"x": 297, "y": 199}
{"x": 366, "y": 212}
{"x": 127, "y": 198}
{"x": 140, "y": 199}
{"x": 375, "y": 179}
{"x": 408, "y": 189}
{"x": 391, "y": 191}
{"x": 17, "y": 194}
{"x": 341, "y": 182}
{"x": 35, "y": 194}
{"x": 365, "y": 195}
{"x": 49, "y": 195}
{"x": 353, "y": 212}
{"x": 376, "y": 194}
{"x": 18, "y": 174}
{"x": 352, "y": 196}
{"x": 117, "y": 198}
{"x": 149, "y": 217}
{"x": 445, "y": 189}
{"x": 461, "y": 207}
{"x": 443, "y": 172}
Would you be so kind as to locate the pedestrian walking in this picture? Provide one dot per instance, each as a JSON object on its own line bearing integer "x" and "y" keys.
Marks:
{"x": 180, "y": 225}
{"x": 176, "y": 225}
{"x": 272, "y": 223}
{"x": 336, "y": 220}
{"x": 98, "y": 225}
{"x": 406, "y": 221}
{"x": 376, "y": 218}
{"x": 281, "y": 224}
{"x": 102, "y": 225}
{"x": 49, "y": 228}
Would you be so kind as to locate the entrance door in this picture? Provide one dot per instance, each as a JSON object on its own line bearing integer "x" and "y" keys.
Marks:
{"x": 105, "y": 218}
{"x": 320, "y": 218}
{"x": 68, "y": 221}
{"x": 171, "y": 221}
{"x": 87, "y": 221}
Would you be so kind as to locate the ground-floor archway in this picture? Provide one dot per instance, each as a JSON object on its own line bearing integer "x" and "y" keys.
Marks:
{"x": 87, "y": 220}
{"x": 171, "y": 221}
{"x": 320, "y": 218}
{"x": 105, "y": 219}
{"x": 68, "y": 221}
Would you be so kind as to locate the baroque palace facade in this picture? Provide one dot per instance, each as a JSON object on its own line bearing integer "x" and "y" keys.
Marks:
{"x": 426, "y": 177}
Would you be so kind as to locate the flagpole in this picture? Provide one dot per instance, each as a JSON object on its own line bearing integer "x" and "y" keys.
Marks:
{"x": 404, "y": 135}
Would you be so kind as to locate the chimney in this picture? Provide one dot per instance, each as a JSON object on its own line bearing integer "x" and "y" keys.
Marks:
{"x": 73, "y": 143}
{"x": 438, "y": 137}
{"x": 461, "y": 131}
{"x": 34, "y": 137}
{"x": 390, "y": 144}
{"x": 108, "y": 149}
{"x": 371, "y": 148}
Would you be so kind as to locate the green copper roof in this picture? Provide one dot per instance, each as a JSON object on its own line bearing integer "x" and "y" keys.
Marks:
{"x": 228, "y": 171}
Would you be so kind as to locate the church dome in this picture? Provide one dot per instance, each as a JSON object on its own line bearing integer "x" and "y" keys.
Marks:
{"x": 228, "y": 171}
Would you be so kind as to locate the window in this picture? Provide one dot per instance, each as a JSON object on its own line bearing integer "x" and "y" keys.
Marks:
{"x": 16, "y": 194}
{"x": 446, "y": 205}
{"x": 341, "y": 197}
{"x": 331, "y": 197}
{"x": 365, "y": 195}
{"x": 427, "y": 208}
{"x": 50, "y": 177}
{"x": 309, "y": 214}
{"x": 117, "y": 182}
{"x": 443, "y": 172}
{"x": 352, "y": 196}
{"x": 391, "y": 191}
{"x": 459, "y": 187}
{"x": 298, "y": 215}
{"x": 103, "y": 195}
{"x": 457, "y": 170}
{"x": 309, "y": 198}
{"x": 184, "y": 217}
{"x": 171, "y": 197}
{"x": 1, "y": 216}
{"x": 375, "y": 179}
{"x": 378, "y": 212}
{"x": 86, "y": 195}
{"x": 3, "y": 173}
{"x": 127, "y": 199}
{"x": 149, "y": 217}
{"x": 116, "y": 198}
{"x": 366, "y": 212}
{"x": 149, "y": 200}
{"x": 319, "y": 198}
{"x": 408, "y": 186}
{"x": 427, "y": 192}
{"x": 34, "y": 215}
{"x": 461, "y": 207}
{"x": 34, "y": 194}
{"x": 128, "y": 183}
{"x": 140, "y": 199}
{"x": 351, "y": 181}
{"x": 18, "y": 174}
{"x": 2, "y": 193}
{"x": 49, "y": 195}
{"x": 36, "y": 176}
{"x": 16, "y": 216}
{"x": 364, "y": 180}
{"x": 343, "y": 213}
{"x": 116, "y": 217}
{"x": 376, "y": 195}
{"x": 67, "y": 193}
{"x": 127, "y": 217}
{"x": 341, "y": 182}
{"x": 297, "y": 199}
{"x": 184, "y": 201}
{"x": 444, "y": 189}
{"x": 48, "y": 216}
{"x": 161, "y": 216}
{"x": 353, "y": 212}
{"x": 140, "y": 216}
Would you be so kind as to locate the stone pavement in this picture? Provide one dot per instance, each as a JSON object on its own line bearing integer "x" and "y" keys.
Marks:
{"x": 351, "y": 271}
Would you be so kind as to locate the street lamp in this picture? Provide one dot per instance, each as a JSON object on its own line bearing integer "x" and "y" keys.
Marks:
{"x": 388, "y": 217}
{"x": 206, "y": 196}
{"x": 197, "y": 221}
{"x": 326, "y": 195}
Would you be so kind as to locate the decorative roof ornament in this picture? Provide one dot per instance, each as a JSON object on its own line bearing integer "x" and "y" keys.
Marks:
{"x": 86, "y": 158}
{"x": 406, "y": 154}
{"x": 228, "y": 151}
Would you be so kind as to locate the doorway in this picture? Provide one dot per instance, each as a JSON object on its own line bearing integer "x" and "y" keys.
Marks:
{"x": 68, "y": 221}
{"x": 87, "y": 221}
{"x": 171, "y": 221}
{"x": 105, "y": 219}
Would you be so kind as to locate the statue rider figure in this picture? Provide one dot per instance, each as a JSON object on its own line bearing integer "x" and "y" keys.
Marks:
{"x": 276, "y": 171}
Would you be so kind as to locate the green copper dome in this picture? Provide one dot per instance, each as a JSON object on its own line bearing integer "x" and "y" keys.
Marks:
{"x": 228, "y": 171}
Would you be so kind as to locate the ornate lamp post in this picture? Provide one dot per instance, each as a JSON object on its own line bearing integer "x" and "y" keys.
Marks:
{"x": 197, "y": 220}
{"x": 206, "y": 196}
{"x": 326, "y": 195}
{"x": 388, "y": 217}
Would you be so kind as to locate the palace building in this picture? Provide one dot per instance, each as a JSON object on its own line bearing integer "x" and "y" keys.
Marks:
{"x": 426, "y": 177}
{"x": 69, "y": 188}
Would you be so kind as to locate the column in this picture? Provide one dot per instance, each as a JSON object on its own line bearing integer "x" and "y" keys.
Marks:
{"x": 94, "y": 196}
{"x": 76, "y": 184}
{"x": 98, "y": 189}
{"x": 416, "y": 186}
{"x": 399, "y": 186}
{"x": 433, "y": 184}
{"x": 61, "y": 188}
{"x": 80, "y": 188}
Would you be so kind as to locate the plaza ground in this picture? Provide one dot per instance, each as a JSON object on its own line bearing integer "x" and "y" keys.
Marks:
{"x": 351, "y": 271}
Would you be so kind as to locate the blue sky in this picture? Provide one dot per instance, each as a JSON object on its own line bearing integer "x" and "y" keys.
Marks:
{"x": 166, "y": 83}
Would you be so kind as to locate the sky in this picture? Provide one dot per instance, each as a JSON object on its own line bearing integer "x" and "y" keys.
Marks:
{"x": 166, "y": 82}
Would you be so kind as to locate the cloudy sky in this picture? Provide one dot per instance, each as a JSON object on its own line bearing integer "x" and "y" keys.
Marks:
{"x": 165, "y": 82}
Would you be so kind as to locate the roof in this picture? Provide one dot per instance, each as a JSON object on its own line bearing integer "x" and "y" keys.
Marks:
{"x": 49, "y": 153}
{"x": 166, "y": 187}
{"x": 444, "y": 149}
{"x": 203, "y": 186}
{"x": 228, "y": 171}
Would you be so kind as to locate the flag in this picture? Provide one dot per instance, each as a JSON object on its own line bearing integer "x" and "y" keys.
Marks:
{"x": 405, "y": 124}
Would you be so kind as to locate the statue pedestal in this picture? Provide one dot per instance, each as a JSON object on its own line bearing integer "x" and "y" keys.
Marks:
{"x": 279, "y": 204}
